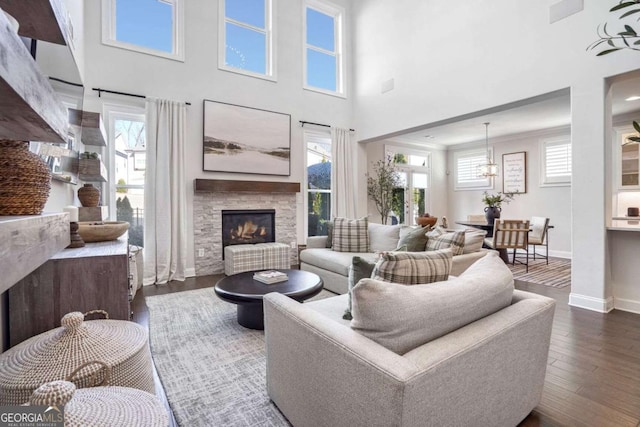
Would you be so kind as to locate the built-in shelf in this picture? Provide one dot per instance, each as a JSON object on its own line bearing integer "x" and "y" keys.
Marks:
{"x": 29, "y": 107}
{"x": 26, "y": 242}
{"x": 92, "y": 170}
{"x": 93, "y": 130}
{"x": 39, "y": 19}
{"x": 217, "y": 185}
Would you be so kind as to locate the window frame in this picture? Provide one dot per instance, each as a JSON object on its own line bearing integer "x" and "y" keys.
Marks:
{"x": 270, "y": 36}
{"x": 114, "y": 112}
{"x": 338, "y": 14}
{"x": 486, "y": 183}
{"x": 308, "y": 136}
{"x": 546, "y": 181}
{"x": 109, "y": 31}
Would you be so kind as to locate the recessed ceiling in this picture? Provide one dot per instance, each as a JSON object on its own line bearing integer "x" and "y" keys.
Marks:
{"x": 544, "y": 114}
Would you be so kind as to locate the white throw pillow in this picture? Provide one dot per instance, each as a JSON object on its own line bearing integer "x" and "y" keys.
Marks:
{"x": 473, "y": 240}
{"x": 383, "y": 237}
{"x": 402, "y": 318}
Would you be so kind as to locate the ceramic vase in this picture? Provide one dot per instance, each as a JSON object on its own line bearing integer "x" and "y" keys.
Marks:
{"x": 89, "y": 196}
{"x": 25, "y": 179}
{"x": 491, "y": 213}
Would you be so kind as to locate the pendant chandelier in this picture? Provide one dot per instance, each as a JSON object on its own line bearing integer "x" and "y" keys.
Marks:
{"x": 489, "y": 169}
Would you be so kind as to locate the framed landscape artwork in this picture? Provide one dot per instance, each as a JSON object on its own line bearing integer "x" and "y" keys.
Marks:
{"x": 514, "y": 172}
{"x": 246, "y": 140}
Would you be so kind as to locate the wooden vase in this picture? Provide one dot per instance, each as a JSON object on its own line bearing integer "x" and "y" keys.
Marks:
{"x": 89, "y": 196}
{"x": 25, "y": 179}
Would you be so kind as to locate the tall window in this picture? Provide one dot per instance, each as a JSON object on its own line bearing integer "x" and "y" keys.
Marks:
{"x": 555, "y": 161}
{"x": 323, "y": 47}
{"x": 246, "y": 37}
{"x": 318, "y": 182}
{"x": 466, "y": 169}
{"x": 412, "y": 199}
{"x": 128, "y": 148}
{"x": 148, "y": 26}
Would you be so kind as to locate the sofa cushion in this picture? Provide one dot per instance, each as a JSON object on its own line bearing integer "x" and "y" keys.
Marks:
{"x": 350, "y": 235}
{"x": 414, "y": 238}
{"x": 411, "y": 268}
{"x": 437, "y": 239}
{"x": 402, "y": 318}
{"x": 383, "y": 237}
{"x": 473, "y": 240}
{"x": 360, "y": 268}
{"x": 332, "y": 307}
{"x": 337, "y": 262}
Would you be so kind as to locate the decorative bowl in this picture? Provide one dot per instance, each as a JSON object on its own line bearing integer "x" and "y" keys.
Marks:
{"x": 92, "y": 231}
{"x": 423, "y": 221}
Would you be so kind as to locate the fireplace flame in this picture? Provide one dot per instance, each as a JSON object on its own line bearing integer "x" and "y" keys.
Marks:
{"x": 248, "y": 230}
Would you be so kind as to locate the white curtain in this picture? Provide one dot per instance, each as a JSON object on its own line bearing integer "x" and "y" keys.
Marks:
{"x": 165, "y": 214}
{"x": 343, "y": 184}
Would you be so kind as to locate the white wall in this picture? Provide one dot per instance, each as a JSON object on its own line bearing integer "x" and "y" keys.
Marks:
{"x": 550, "y": 202}
{"x": 448, "y": 59}
{"x": 198, "y": 78}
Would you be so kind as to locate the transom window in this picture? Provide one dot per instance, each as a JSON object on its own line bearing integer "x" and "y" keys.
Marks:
{"x": 323, "y": 47}
{"x": 555, "y": 161}
{"x": 466, "y": 169}
{"x": 154, "y": 27}
{"x": 246, "y": 37}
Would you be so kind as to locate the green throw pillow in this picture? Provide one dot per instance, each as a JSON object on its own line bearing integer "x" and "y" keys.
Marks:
{"x": 415, "y": 239}
{"x": 360, "y": 269}
{"x": 329, "y": 234}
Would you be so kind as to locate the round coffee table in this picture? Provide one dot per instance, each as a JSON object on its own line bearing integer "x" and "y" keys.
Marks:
{"x": 247, "y": 293}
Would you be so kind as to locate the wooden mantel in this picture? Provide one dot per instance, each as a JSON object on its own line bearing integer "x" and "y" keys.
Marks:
{"x": 217, "y": 185}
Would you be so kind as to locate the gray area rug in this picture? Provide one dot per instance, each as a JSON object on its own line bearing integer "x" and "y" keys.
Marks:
{"x": 557, "y": 274}
{"x": 212, "y": 369}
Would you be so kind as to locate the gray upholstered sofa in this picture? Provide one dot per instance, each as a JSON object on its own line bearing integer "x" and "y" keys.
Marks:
{"x": 333, "y": 267}
{"x": 488, "y": 372}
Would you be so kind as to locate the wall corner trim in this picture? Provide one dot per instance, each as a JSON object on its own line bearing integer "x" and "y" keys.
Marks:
{"x": 590, "y": 303}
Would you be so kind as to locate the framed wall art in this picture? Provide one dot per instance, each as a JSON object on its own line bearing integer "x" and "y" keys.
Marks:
{"x": 246, "y": 140}
{"x": 514, "y": 172}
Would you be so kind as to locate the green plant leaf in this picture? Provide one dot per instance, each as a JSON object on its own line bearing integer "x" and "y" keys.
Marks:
{"x": 634, "y": 138}
{"x": 622, "y": 5}
{"x": 636, "y": 126}
{"x": 629, "y": 13}
{"x": 630, "y": 30}
{"x": 608, "y": 51}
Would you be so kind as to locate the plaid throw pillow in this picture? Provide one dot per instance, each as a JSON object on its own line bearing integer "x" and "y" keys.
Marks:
{"x": 413, "y": 268}
{"x": 438, "y": 240}
{"x": 350, "y": 235}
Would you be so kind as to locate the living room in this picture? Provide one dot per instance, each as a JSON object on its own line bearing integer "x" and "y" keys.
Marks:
{"x": 408, "y": 70}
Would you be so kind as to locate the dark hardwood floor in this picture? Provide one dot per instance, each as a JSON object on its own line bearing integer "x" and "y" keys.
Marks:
{"x": 593, "y": 371}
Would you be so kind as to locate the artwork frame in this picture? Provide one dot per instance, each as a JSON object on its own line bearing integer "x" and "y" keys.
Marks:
{"x": 514, "y": 172}
{"x": 240, "y": 139}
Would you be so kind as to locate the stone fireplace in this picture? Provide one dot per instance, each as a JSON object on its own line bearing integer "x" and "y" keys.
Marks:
{"x": 210, "y": 204}
{"x": 246, "y": 226}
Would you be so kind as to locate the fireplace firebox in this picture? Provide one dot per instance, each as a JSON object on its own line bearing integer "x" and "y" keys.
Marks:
{"x": 248, "y": 226}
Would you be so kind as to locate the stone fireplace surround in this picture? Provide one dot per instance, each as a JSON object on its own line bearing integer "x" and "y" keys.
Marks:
{"x": 207, "y": 221}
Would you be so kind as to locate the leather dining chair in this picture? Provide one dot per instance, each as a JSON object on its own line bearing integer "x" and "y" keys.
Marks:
{"x": 539, "y": 235}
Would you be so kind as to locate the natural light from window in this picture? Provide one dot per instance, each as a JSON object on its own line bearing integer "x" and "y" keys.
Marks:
{"x": 318, "y": 183}
{"x": 323, "y": 42}
{"x": 247, "y": 36}
{"x": 147, "y": 26}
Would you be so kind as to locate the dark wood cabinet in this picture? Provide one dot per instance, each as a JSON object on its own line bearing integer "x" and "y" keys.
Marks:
{"x": 81, "y": 279}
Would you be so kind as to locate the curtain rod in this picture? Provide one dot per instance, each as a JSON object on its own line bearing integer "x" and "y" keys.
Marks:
{"x": 318, "y": 124}
{"x": 97, "y": 89}
{"x": 65, "y": 82}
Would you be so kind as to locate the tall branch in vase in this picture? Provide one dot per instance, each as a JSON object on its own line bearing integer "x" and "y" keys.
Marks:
{"x": 380, "y": 186}
{"x": 626, "y": 37}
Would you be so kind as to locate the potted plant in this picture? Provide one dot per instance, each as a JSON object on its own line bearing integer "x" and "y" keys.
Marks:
{"x": 380, "y": 186}
{"x": 493, "y": 204}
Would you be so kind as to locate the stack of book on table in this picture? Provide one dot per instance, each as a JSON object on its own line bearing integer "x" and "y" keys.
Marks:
{"x": 270, "y": 276}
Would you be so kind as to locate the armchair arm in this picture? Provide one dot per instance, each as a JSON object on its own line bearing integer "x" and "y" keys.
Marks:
{"x": 317, "y": 242}
{"x": 322, "y": 373}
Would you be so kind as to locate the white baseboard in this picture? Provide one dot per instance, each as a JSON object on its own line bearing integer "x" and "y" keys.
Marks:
{"x": 590, "y": 303}
{"x": 190, "y": 272}
{"x": 560, "y": 254}
{"x": 629, "y": 305}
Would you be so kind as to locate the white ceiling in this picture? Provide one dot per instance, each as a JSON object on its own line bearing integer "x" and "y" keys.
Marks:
{"x": 547, "y": 113}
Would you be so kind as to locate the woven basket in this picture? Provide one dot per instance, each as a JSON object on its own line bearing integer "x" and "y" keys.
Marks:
{"x": 25, "y": 179}
{"x": 50, "y": 356}
{"x": 102, "y": 406}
